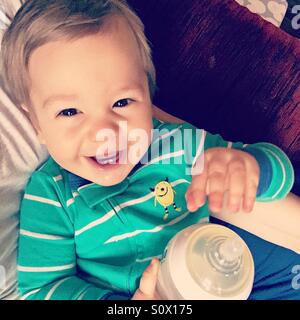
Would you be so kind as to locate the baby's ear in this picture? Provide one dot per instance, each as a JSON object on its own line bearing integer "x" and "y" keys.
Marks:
{"x": 34, "y": 122}
{"x": 24, "y": 108}
{"x": 40, "y": 137}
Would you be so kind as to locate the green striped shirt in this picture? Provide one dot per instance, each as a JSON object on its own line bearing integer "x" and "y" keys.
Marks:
{"x": 86, "y": 241}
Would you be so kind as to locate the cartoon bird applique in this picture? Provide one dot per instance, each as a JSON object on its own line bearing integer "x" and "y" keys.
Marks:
{"x": 164, "y": 195}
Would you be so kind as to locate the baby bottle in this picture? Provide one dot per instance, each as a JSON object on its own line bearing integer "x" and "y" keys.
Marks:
{"x": 206, "y": 262}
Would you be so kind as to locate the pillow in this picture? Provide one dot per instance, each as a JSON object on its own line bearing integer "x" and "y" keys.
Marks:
{"x": 270, "y": 10}
{"x": 20, "y": 154}
{"x": 8, "y": 8}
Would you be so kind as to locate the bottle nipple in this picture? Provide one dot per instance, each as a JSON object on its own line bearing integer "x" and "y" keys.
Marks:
{"x": 231, "y": 249}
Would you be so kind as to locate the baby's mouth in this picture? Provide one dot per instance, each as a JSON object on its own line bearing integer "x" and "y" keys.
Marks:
{"x": 107, "y": 160}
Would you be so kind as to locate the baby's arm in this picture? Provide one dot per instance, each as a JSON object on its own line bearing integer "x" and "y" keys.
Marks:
{"x": 47, "y": 252}
{"x": 277, "y": 222}
{"x": 260, "y": 172}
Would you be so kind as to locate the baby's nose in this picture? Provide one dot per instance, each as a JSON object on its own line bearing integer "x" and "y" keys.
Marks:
{"x": 103, "y": 131}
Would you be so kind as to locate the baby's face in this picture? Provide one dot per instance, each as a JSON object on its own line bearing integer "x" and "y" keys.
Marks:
{"x": 91, "y": 101}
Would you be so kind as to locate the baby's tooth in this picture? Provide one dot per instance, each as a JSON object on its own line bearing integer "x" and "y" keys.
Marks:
{"x": 107, "y": 160}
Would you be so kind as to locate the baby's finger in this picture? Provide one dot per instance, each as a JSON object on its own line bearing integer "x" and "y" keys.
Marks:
{"x": 250, "y": 194}
{"x": 237, "y": 182}
{"x": 196, "y": 193}
{"x": 252, "y": 182}
{"x": 149, "y": 279}
{"x": 216, "y": 181}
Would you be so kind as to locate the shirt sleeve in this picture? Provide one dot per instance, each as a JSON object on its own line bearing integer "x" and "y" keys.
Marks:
{"x": 47, "y": 255}
{"x": 276, "y": 171}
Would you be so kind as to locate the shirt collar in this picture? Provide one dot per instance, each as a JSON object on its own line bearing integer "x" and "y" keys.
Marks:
{"x": 93, "y": 193}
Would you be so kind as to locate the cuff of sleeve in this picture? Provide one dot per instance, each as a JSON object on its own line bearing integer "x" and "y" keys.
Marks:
{"x": 282, "y": 172}
{"x": 265, "y": 169}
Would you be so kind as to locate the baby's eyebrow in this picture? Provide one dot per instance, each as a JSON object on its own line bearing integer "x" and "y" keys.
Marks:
{"x": 134, "y": 86}
{"x": 58, "y": 97}
{"x": 69, "y": 97}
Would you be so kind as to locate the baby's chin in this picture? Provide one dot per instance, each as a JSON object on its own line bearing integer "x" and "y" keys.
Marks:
{"x": 108, "y": 179}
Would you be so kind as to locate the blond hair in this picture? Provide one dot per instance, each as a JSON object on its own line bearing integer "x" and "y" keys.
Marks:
{"x": 41, "y": 21}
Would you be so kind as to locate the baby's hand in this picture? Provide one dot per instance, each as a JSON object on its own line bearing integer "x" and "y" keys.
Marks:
{"x": 146, "y": 290}
{"x": 225, "y": 170}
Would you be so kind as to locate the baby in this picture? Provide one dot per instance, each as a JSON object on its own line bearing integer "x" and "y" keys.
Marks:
{"x": 119, "y": 183}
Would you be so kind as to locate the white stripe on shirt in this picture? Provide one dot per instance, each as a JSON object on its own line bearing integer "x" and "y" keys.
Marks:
{"x": 179, "y": 181}
{"x": 163, "y": 157}
{"x": 41, "y": 199}
{"x": 148, "y": 258}
{"x": 135, "y": 201}
{"x": 57, "y": 178}
{"x": 117, "y": 208}
{"x": 86, "y": 185}
{"x": 148, "y": 196}
{"x": 283, "y": 172}
{"x": 82, "y": 294}
{"x": 166, "y": 135}
{"x": 95, "y": 223}
{"x": 46, "y": 269}
{"x": 198, "y": 164}
{"x": 70, "y": 201}
{"x": 137, "y": 232}
{"x": 29, "y": 294}
{"x": 40, "y": 235}
{"x": 50, "y": 293}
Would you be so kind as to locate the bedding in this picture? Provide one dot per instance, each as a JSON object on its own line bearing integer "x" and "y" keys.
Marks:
{"x": 20, "y": 154}
{"x": 270, "y": 10}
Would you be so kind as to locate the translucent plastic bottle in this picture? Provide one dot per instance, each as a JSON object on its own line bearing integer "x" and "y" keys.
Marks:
{"x": 206, "y": 262}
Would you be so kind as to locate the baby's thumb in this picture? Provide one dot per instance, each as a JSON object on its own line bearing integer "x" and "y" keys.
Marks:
{"x": 149, "y": 279}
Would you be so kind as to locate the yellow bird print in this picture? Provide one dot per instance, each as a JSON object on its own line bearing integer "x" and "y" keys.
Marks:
{"x": 164, "y": 195}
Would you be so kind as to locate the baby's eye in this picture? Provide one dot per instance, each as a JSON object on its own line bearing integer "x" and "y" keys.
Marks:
{"x": 122, "y": 103}
{"x": 70, "y": 112}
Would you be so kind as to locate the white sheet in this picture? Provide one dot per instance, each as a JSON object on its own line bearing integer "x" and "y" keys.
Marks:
{"x": 20, "y": 154}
